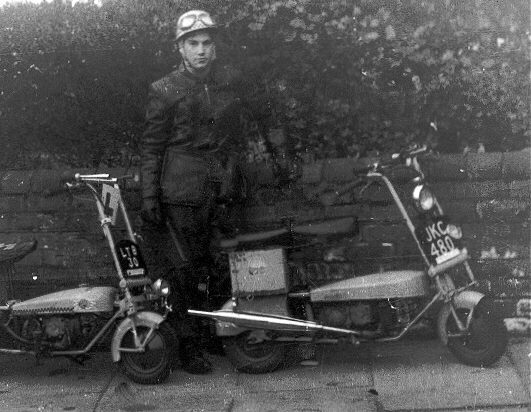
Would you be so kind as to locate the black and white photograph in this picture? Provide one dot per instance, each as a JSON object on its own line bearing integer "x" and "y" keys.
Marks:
{"x": 265, "y": 205}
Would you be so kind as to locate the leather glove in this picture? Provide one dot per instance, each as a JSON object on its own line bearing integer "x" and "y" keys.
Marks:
{"x": 151, "y": 211}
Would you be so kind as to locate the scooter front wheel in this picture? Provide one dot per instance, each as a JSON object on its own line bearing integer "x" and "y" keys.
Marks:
{"x": 154, "y": 364}
{"x": 250, "y": 353}
{"x": 486, "y": 338}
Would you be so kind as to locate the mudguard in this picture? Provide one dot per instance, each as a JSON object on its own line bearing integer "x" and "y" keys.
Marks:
{"x": 467, "y": 299}
{"x": 148, "y": 319}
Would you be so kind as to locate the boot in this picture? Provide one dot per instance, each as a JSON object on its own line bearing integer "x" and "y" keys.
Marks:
{"x": 215, "y": 346}
{"x": 192, "y": 358}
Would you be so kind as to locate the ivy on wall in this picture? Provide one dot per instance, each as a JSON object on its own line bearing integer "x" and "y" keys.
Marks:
{"x": 339, "y": 78}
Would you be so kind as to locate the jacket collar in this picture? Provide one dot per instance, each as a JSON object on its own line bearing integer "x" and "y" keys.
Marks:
{"x": 186, "y": 73}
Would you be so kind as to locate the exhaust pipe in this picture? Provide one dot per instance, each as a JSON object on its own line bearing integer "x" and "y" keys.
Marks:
{"x": 270, "y": 322}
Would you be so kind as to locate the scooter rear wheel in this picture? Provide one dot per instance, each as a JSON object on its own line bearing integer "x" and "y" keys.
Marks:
{"x": 486, "y": 340}
{"x": 153, "y": 365}
{"x": 250, "y": 357}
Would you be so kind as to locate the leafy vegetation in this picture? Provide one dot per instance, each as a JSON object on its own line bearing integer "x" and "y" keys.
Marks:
{"x": 336, "y": 78}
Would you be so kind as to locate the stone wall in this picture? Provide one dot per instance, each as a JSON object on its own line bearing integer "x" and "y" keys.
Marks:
{"x": 488, "y": 194}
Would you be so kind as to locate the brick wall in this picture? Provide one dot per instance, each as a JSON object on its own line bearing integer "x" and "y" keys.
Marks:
{"x": 488, "y": 194}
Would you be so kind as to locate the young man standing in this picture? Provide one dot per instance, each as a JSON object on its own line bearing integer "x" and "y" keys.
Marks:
{"x": 190, "y": 119}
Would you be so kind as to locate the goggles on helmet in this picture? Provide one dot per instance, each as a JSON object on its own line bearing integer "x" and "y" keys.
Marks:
{"x": 194, "y": 20}
{"x": 188, "y": 21}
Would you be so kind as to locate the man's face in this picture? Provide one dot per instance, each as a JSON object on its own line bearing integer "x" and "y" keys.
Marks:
{"x": 197, "y": 50}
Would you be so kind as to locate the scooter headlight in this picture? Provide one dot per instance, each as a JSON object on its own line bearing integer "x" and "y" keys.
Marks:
{"x": 454, "y": 231}
{"x": 161, "y": 287}
{"x": 423, "y": 197}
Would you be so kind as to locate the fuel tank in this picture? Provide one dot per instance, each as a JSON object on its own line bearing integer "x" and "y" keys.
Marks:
{"x": 392, "y": 284}
{"x": 78, "y": 300}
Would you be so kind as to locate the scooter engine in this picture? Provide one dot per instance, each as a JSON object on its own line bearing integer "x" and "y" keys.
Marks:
{"x": 354, "y": 315}
{"x": 56, "y": 331}
{"x": 395, "y": 313}
{"x": 382, "y": 316}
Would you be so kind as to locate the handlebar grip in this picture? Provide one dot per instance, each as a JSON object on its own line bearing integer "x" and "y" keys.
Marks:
{"x": 100, "y": 177}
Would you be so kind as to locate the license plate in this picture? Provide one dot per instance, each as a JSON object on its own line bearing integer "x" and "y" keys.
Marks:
{"x": 130, "y": 258}
{"x": 437, "y": 244}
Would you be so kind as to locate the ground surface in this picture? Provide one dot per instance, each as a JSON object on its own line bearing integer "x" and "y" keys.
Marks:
{"x": 413, "y": 374}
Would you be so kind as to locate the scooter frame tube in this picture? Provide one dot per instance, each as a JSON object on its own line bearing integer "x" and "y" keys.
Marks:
{"x": 402, "y": 209}
{"x": 105, "y": 223}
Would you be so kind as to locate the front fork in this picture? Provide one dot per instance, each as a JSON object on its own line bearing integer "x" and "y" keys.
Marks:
{"x": 455, "y": 299}
{"x": 150, "y": 320}
{"x": 133, "y": 320}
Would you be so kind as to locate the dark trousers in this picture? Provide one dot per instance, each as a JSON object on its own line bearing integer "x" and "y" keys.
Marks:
{"x": 179, "y": 251}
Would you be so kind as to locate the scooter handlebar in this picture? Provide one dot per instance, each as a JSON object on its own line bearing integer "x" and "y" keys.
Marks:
{"x": 389, "y": 161}
{"x": 409, "y": 152}
{"x": 82, "y": 180}
{"x": 95, "y": 178}
{"x": 102, "y": 178}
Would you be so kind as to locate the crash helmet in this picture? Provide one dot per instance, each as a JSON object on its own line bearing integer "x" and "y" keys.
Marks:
{"x": 194, "y": 20}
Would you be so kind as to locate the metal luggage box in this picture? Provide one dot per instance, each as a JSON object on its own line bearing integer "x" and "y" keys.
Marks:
{"x": 258, "y": 272}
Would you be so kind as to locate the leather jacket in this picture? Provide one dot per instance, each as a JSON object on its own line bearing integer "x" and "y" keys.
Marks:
{"x": 188, "y": 121}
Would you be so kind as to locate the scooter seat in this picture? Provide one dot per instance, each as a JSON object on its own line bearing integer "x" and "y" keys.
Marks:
{"x": 328, "y": 227}
{"x": 252, "y": 237}
{"x": 12, "y": 252}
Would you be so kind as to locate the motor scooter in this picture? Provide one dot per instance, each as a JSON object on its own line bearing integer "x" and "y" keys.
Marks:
{"x": 72, "y": 322}
{"x": 266, "y": 315}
